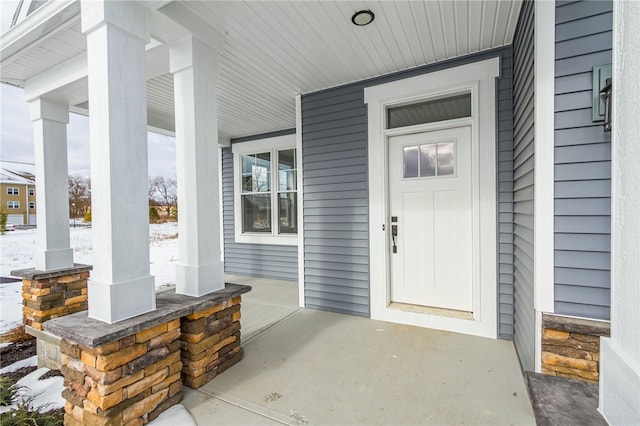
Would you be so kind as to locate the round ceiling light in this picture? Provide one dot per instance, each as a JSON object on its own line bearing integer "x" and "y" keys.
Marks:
{"x": 362, "y": 18}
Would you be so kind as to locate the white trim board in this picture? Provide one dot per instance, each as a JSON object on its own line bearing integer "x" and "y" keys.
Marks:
{"x": 300, "y": 202}
{"x": 479, "y": 78}
{"x": 543, "y": 201}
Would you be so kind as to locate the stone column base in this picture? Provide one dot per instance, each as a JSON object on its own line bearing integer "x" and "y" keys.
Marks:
{"x": 129, "y": 381}
{"x": 52, "y": 294}
{"x": 210, "y": 342}
{"x": 129, "y": 372}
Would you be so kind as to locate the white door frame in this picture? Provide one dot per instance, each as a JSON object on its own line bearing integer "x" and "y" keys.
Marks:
{"x": 479, "y": 79}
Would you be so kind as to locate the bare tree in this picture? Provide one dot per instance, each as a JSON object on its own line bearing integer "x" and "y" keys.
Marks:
{"x": 152, "y": 189}
{"x": 79, "y": 195}
{"x": 166, "y": 188}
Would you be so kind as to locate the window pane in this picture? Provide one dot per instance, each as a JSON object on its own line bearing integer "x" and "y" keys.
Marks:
{"x": 428, "y": 160}
{"x": 410, "y": 161}
{"x": 457, "y": 106}
{"x": 445, "y": 158}
{"x": 287, "y": 219}
{"x": 287, "y": 170}
{"x": 256, "y": 213}
{"x": 256, "y": 173}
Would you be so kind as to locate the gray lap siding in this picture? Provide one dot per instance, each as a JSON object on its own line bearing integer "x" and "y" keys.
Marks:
{"x": 582, "y": 163}
{"x": 523, "y": 186}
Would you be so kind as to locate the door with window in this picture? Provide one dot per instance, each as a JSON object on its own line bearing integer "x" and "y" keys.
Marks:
{"x": 431, "y": 212}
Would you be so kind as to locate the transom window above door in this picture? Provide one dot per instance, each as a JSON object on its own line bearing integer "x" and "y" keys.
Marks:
{"x": 429, "y": 160}
{"x": 429, "y": 111}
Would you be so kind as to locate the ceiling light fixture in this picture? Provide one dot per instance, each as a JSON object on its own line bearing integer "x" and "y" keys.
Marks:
{"x": 362, "y": 18}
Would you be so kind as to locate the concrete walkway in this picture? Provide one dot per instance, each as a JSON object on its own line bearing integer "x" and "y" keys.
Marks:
{"x": 323, "y": 368}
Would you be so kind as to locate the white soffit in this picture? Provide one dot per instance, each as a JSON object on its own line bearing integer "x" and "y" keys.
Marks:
{"x": 276, "y": 50}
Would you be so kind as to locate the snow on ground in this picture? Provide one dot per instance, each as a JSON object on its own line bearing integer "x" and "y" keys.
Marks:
{"x": 18, "y": 247}
{"x": 27, "y": 362}
{"x": 44, "y": 394}
{"x": 10, "y": 306}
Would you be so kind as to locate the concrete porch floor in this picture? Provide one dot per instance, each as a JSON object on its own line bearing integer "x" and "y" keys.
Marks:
{"x": 304, "y": 366}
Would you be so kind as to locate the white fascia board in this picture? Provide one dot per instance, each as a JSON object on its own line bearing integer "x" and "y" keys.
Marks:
{"x": 48, "y": 20}
{"x": 544, "y": 158}
{"x": 253, "y": 146}
{"x": 157, "y": 61}
{"x": 74, "y": 70}
{"x": 179, "y": 14}
{"x": 54, "y": 78}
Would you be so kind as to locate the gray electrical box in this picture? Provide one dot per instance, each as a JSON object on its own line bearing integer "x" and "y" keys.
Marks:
{"x": 600, "y": 75}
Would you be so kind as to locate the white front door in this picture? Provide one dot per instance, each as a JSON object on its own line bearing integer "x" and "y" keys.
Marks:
{"x": 430, "y": 196}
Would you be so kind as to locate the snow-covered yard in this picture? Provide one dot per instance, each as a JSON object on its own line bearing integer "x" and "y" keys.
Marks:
{"x": 17, "y": 249}
{"x": 19, "y": 246}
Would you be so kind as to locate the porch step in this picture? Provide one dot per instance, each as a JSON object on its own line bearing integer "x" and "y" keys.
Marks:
{"x": 560, "y": 401}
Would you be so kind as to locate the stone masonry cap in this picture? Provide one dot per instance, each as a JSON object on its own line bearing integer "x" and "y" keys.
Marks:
{"x": 34, "y": 274}
{"x": 79, "y": 328}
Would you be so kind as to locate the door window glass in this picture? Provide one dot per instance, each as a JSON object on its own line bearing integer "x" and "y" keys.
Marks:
{"x": 429, "y": 160}
{"x": 410, "y": 161}
{"x": 445, "y": 158}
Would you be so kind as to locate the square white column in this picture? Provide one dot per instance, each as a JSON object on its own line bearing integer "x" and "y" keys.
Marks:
{"x": 120, "y": 286}
{"x": 53, "y": 250}
{"x": 194, "y": 66}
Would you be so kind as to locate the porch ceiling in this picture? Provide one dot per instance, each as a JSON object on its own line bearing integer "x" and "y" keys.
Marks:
{"x": 275, "y": 50}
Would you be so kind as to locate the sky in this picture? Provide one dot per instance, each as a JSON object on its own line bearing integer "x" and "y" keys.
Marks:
{"x": 16, "y": 130}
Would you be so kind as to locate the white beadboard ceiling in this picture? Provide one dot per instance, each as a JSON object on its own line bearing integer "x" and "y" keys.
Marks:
{"x": 274, "y": 50}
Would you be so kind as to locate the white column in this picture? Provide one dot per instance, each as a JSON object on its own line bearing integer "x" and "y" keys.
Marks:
{"x": 50, "y": 121}
{"x": 121, "y": 286}
{"x": 620, "y": 354}
{"x": 195, "y": 69}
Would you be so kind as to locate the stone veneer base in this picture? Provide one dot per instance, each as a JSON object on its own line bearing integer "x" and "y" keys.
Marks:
{"x": 571, "y": 347}
{"x": 129, "y": 372}
{"x": 48, "y": 295}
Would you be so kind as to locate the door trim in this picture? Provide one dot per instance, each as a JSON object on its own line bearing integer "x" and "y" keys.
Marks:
{"x": 479, "y": 78}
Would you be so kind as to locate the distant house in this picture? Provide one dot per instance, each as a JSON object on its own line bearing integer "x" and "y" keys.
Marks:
{"x": 18, "y": 192}
{"x": 441, "y": 164}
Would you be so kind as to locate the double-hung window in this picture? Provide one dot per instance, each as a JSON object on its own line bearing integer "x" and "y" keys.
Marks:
{"x": 13, "y": 191}
{"x": 13, "y": 204}
{"x": 265, "y": 191}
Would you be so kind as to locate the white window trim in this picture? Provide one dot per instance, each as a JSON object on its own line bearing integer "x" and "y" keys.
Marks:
{"x": 479, "y": 78}
{"x": 252, "y": 147}
{"x": 12, "y": 202}
{"x": 32, "y": 204}
{"x": 13, "y": 190}
{"x": 32, "y": 192}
